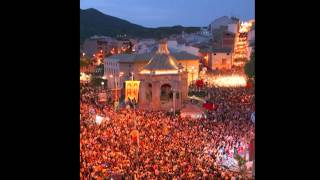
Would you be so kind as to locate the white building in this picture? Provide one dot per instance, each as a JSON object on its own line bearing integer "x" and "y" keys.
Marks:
{"x": 204, "y": 31}
{"x": 232, "y": 24}
{"x": 175, "y": 47}
{"x": 144, "y": 46}
{"x": 112, "y": 71}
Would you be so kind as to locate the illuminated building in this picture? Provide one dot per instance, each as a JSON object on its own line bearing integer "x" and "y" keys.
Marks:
{"x": 220, "y": 58}
{"x": 163, "y": 83}
{"x": 135, "y": 62}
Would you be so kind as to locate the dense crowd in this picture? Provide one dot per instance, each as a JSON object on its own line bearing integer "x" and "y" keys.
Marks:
{"x": 168, "y": 147}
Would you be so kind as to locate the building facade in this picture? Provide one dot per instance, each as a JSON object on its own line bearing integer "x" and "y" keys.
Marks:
{"x": 112, "y": 73}
{"x": 163, "y": 85}
{"x": 134, "y": 63}
{"x": 220, "y": 59}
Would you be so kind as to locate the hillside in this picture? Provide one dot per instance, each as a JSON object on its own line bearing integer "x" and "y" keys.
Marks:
{"x": 94, "y": 22}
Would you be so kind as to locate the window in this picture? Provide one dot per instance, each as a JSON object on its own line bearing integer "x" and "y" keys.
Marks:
{"x": 228, "y": 54}
{"x": 214, "y": 54}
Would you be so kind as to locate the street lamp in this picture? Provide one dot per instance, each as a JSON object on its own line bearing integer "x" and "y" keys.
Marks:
{"x": 174, "y": 101}
{"x": 102, "y": 83}
{"x": 192, "y": 72}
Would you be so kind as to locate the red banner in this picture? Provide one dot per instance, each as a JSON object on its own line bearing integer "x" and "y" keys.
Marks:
{"x": 251, "y": 150}
{"x": 209, "y": 106}
{"x": 200, "y": 83}
{"x": 249, "y": 85}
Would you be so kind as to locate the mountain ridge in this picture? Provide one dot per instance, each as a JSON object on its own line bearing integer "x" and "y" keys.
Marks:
{"x": 94, "y": 22}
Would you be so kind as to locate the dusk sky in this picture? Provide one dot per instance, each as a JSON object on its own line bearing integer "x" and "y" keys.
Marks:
{"x": 155, "y": 13}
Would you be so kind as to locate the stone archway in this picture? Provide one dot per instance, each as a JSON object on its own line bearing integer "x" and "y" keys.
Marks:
{"x": 165, "y": 93}
{"x": 149, "y": 92}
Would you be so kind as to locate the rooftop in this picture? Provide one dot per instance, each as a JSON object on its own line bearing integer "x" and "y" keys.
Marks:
{"x": 147, "y": 56}
{"x": 162, "y": 60}
{"x": 221, "y": 50}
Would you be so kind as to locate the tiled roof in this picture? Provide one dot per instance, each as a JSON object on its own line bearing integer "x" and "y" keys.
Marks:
{"x": 147, "y": 56}
{"x": 162, "y": 62}
{"x": 223, "y": 50}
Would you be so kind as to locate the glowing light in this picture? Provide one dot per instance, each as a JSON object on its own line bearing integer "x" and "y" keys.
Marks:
{"x": 84, "y": 77}
{"x": 159, "y": 72}
{"x": 229, "y": 81}
{"x": 245, "y": 27}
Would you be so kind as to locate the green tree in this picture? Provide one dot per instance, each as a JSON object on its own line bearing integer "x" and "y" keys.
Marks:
{"x": 250, "y": 66}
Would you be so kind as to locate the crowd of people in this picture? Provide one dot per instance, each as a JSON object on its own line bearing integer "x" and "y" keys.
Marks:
{"x": 168, "y": 147}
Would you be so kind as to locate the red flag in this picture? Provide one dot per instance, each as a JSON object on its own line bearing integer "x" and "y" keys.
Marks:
{"x": 199, "y": 83}
{"x": 249, "y": 85}
{"x": 251, "y": 150}
{"x": 208, "y": 106}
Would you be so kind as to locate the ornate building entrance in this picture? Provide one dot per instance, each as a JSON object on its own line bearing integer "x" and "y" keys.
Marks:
{"x": 163, "y": 85}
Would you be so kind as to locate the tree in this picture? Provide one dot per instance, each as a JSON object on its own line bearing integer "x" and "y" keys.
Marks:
{"x": 250, "y": 66}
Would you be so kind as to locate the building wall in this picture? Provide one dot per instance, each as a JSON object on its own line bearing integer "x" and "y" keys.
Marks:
{"x": 90, "y": 47}
{"x": 188, "y": 64}
{"x": 111, "y": 67}
{"x": 233, "y": 28}
{"x": 178, "y": 82}
{"x": 219, "y": 63}
{"x": 126, "y": 68}
{"x": 228, "y": 40}
{"x": 136, "y": 67}
{"x": 251, "y": 35}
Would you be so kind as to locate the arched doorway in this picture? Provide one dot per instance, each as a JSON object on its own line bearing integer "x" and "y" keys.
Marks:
{"x": 166, "y": 93}
{"x": 149, "y": 92}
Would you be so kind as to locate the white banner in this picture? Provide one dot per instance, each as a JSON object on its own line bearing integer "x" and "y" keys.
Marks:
{"x": 253, "y": 117}
{"x": 99, "y": 119}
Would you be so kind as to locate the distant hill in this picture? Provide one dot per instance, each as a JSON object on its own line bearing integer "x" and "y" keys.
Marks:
{"x": 94, "y": 22}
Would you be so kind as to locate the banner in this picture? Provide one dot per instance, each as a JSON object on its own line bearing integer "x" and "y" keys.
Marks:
{"x": 132, "y": 90}
{"x": 135, "y": 136}
{"x": 251, "y": 150}
{"x": 209, "y": 106}
{"x": 253, "y": 117}
{"x": 99, "y": 119}
{"x": 165, "y": 130}
{"x": 249, "y": 85}
{"x": 200, "y": 83}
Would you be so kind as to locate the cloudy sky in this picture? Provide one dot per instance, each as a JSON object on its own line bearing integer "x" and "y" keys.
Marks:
{"x": 155, "y": 13}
